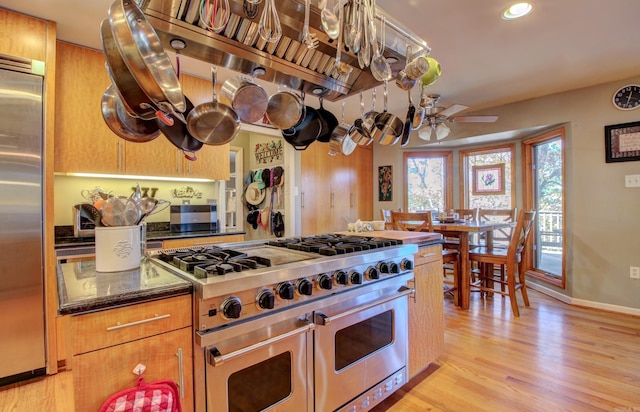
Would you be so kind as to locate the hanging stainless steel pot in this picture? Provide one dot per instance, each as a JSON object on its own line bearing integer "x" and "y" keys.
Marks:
{"x": 213, "y": 123}
{"x": 125, "y": 126}
{"x": 142, "y": 52}
{"x": 306, "y": 131}
{"x": 388, "y": 126}
{"x": 360, "y": 131}
{"x": 248, "y": 99}
{"x": 285, "y": 109}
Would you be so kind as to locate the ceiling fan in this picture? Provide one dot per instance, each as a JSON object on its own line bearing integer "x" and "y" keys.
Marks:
{"x": 436, "y": 117}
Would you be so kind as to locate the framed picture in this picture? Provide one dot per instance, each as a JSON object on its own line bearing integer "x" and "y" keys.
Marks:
{"x": 385, "y": 183}
{"x": 488, "y": 180}
{"x": 622, "y": 142}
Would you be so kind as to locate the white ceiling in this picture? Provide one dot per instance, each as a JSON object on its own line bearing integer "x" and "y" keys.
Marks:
{"x": 486, "y": 61}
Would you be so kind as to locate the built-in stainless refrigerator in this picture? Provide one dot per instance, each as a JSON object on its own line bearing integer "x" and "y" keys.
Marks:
{"x": 22, "y": 330}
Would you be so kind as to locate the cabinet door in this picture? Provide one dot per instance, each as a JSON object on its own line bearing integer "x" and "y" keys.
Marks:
{"x": 363, "y": 187}
{"x": 31, "y": 32}
{"x": 83, "y": 142}
{"x": 315, "y": 202}
{"x": 426, "y": 312}
{"x": 343, "y": 181}
{"x": 99, "y": 374}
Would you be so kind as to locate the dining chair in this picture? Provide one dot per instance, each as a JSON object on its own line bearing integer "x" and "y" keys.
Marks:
{"x": 511, "y": 258}
{"x": 501, "y": 236}
{"x": 454, "y": 242}
{"x": 385, "y": 214}
{"x": 422, "y": 222}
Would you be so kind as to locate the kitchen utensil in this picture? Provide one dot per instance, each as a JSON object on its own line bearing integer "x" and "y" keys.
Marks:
{"x": 135, "y": 101}
{"x": 112, "y": 212}
{"x": 145, "y": 57}
{"x": 250, "y": 9}
{"x": 388, "y": 126}
{"x": 306, "y": 131}
{"x": 329, "y": 21}
{"x": 308, "y": 38}
{"x": 269, "y": 27}
{"x": 121, "y": 123}
{"x": 131, "y": 214}
{"x": 340, "y": 67}
{"x": 380, "y": 68}
{"x": 285, "y": 109}
{"x": 432, "y": 74}
{"x": 406, "y": 130}
{"x": 213, "y": 123}
{"x": 403, "y": 80}
{"x": 91, "y": 212}
{"x": 329, "y": 123}
{"x": 359, "y": 131}
{"x": 369, "y": 120}
{"x": 214, "y": 18}
{"x": 248, "y": 99}
{"x": 338, "y": 135}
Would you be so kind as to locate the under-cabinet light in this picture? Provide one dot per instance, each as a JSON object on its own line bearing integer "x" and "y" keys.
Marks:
{"x": 134, "y": 177}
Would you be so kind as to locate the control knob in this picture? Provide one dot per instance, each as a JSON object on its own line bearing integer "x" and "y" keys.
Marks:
{"x": 266, "y": 299}
{"x": 406, "y": 264}
{"x": 324, "y": 281}
{"x": 394, "y": 268}
{"x": 383, "y": 267}
{"x": 285, "y": 291}
{"x": 231, "y": 308}
{"x": 341, "y": 277}
{"x": 371, "y": 273}
{"x": 305, "y": 287}
{"x": 355, "y": 277}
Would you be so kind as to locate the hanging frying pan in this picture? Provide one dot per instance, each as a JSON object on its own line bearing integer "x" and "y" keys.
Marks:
{"x": 127, "y": 127}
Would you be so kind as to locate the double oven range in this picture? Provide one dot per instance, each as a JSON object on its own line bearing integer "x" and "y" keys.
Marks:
{"x": 298, "y": 324}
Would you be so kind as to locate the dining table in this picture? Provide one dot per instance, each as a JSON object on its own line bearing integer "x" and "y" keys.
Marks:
{"x": 461, "y": 230}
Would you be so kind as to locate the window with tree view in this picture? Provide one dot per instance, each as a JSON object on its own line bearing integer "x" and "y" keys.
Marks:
{"x": 428, "y": 177}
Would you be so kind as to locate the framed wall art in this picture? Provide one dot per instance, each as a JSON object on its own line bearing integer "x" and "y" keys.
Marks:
{"x": 622, "y": 142}
{"x": 385, "y": 183}
{"x": 488, "y": 179}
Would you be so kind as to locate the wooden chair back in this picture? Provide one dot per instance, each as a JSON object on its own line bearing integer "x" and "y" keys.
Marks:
{"x": 474, "y": 213}
{"x": 501, "y": 237}
{"x": 521, "y": 232}
{"x": 418, "y": 222}
{"x": 385, "y": 214}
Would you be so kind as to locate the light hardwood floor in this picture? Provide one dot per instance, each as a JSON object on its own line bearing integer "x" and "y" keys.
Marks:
{"x": 554, "y": 357}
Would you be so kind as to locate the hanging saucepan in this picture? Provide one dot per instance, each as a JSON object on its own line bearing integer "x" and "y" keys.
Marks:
{"x": 388, "y": 126}
{"x": 135, "y": 101}
{"x": 406, "y": 130}
{"x": 338, "y": 136}
{"x": 248, "y": 99}
{"x": 127, "y": 127}
{"x": 359, "y": 131}
{"x": 329, "y": 123}
{"x": 213, "y": 123}
{"x": 285, "y": 109}
{"x": 142, "y": 52}
{"x": 306, "y": 131}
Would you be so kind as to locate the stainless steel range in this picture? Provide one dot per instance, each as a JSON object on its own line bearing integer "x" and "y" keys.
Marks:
{"x": 298, "y": 324}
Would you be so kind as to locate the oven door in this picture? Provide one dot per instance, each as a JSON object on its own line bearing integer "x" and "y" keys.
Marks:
{"x": 357, "y": 346}
{"x": 263, "y": 370}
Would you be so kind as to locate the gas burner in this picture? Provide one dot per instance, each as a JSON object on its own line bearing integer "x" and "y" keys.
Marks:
{"x": 334, "y": 244}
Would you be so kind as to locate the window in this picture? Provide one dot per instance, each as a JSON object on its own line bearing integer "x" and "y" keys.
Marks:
{"x": 498, "y": 158}
{"x": 544, "y": 191}
{"x": 428, "y": 177}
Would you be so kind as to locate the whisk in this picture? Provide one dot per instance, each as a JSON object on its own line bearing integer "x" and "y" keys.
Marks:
{"x": 269, "y": 26}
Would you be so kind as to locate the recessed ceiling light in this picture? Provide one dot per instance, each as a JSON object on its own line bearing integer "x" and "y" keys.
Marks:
{"x": 517, "y": 10}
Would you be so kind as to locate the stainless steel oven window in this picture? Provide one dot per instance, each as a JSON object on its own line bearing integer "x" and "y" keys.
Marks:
{"x": 362, "y": 339}
{"x": 261, "y": 385}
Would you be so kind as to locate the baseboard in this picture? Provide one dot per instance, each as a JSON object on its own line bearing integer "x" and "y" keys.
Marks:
{"x": 583, "y": 302}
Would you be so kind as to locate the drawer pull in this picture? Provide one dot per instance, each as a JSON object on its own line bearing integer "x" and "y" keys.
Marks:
{"x": 428, "y": 255}
{"x": 180, "y": 372}
{"x": 138, "y": 322}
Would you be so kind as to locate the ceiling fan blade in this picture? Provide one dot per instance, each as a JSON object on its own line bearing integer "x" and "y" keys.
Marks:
{"x": 469, "y": 119}
{"x": 453, "y": 109}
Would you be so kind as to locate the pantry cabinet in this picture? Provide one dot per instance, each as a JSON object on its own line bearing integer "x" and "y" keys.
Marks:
{"x": 109, "y": 344}
{"x": 335, "y": 189}
{"x": 426, "y": 311}
{"x": 84, "y": 143}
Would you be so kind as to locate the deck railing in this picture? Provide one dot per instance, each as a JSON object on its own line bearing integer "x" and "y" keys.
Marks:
{"x": 549, "y": 229}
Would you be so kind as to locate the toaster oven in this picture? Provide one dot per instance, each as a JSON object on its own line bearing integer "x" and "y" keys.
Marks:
{"x": 82, "y": 225}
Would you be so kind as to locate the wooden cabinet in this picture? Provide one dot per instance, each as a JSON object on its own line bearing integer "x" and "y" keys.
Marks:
{"x": 201, "y": 241}
{"x": 426, "y": 312}
{"x": 335, "y": 189}
{"x": 84, "y": 143}
{"x": 24, "y": 36}
{"x": 107, "y": 346}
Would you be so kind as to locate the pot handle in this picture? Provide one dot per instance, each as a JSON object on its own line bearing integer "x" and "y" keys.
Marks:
{"x": 190, "y": 155}
{"x": 301, "y": 147}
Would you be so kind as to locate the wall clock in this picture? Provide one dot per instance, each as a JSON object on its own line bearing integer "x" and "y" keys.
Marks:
{"x": 627, "y": 97}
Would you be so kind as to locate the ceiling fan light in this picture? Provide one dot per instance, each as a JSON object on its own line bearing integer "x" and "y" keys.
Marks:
{"x": 516, "y": 11}
{"x": 442, "y": 131}
{"x": 425, "y": 133}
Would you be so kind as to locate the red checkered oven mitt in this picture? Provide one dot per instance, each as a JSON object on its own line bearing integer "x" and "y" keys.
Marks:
{"x": 159, "y": 396}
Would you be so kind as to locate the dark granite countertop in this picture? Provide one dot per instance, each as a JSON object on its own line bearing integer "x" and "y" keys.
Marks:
{"x": 82, "y": 289}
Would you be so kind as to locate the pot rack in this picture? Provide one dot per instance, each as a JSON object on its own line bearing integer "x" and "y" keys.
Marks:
{"x": 287, "y": 62}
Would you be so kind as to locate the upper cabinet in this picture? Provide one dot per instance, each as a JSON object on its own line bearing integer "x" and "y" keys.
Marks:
{"x": 23, "y": 36}
{"x": 84, "y": 143}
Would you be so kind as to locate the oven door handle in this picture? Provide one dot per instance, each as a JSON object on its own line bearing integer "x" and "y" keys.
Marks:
{"x": 324, "y": 320}
{"x": 215, "y": 358}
